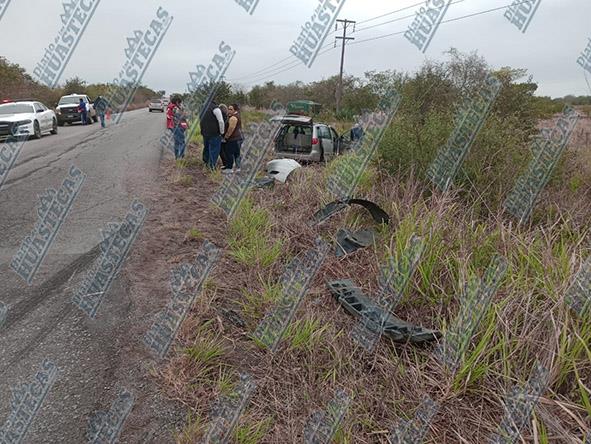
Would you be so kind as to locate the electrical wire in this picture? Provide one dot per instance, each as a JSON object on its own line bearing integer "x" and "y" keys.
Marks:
{"x": 292, "y": 65}
{"x": 269, "y": 67}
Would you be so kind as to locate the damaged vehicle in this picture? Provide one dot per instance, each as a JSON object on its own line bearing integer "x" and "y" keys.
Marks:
{"x": 302, "y": 139}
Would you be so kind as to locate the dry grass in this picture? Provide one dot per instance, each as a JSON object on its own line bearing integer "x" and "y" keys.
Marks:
{"x": 527, "y": 320}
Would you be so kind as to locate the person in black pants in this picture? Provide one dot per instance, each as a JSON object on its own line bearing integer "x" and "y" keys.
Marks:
{"x": 233, "y": 138}
{"x": 224, "y": 148}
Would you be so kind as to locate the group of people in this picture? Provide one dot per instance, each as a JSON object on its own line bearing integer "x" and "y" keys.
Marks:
{"x": 101, "y": 105}
{"x": 221, "y": 129}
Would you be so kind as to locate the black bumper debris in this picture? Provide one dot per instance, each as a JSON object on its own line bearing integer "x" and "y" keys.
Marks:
{"x": 360, "y": 306}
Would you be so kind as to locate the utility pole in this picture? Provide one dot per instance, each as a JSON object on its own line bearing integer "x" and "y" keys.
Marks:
{"x": 344, "y": 38}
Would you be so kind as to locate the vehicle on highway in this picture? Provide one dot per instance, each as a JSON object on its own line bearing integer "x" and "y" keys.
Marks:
{"x": 157, "y": 105}
{"x": 67, "y": 109}
{"x": 165, "y": 101}
{"x": 301, "y": 139}
{"x": 26, "y": 118}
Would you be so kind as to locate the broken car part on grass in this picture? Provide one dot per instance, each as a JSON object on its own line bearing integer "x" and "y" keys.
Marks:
{"x": 264, "y": 182}
{"x": 350, "y": 241}
{"x": 379, "y": 215}
{"x": 359, "y": 305}
{"x": 280, "y": 169}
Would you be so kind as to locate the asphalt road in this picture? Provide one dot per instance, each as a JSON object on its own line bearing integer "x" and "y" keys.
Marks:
{"x": 95, "y": 358}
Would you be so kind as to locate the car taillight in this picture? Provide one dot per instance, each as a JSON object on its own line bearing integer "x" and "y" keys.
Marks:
{"x": 314, "y": 140}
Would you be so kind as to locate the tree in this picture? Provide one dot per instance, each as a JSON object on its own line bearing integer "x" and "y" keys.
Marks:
{"x": 75, "y": 85}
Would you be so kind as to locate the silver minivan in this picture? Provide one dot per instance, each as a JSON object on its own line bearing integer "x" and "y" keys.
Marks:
{"x": 301, "y": 139}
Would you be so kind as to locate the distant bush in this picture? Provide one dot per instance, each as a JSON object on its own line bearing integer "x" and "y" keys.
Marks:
{"x": 425, "y": 121}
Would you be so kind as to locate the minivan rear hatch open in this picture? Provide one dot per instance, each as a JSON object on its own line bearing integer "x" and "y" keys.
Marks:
{"x": 293, "y": 119}
{"x": 295, "y": 134}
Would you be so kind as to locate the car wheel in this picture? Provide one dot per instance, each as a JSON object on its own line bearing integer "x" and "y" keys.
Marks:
{"x": 61, "y": 123}
{"x": 95, "y": 118}
{"x": 54, "y": 128}
{"x": 37, "y": 130}
{"x": 150, "y": 110}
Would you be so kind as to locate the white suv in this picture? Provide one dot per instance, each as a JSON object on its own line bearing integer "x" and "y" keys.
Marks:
{"x": 67, "y": 109}
{"x": 30, "y": 119}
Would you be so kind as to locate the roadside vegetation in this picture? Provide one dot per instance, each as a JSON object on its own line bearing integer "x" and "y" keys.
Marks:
{"x": 16, "y": 83}
{"x": 527, "y": 321}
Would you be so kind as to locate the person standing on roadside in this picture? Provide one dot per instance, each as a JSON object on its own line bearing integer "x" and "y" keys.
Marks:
{"x": 233, "y": 138}
{"x": 82, "y": 111}
{"x": 179, "y": 126}
{"x": 101, "y": 105}
{"x": 170, "y": 123}
{"x": 224, "y": 148}
{"x": 212, "y": 129}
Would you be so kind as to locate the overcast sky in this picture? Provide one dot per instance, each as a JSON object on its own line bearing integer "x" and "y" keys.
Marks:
{"x": 556, "y": 36}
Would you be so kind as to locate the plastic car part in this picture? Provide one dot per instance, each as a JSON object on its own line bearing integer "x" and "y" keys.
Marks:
{"x": 349, "y": 241}
{"x": 280, "y": 169}
{"x": 264, "y": 182}
{"x": 359, "y": 305}
{"x": 379, "y": 215}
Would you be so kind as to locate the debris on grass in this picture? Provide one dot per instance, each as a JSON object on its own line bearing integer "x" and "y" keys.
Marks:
{"x": 359, "y": 305}
{"x": 379, "y": 215}
{"x": 350, "y": 241}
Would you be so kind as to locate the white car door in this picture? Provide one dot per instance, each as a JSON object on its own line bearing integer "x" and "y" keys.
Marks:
{"x": 40, "y": 116}
{"x": 326, "y": 141}
{"x": 47, "y": 117}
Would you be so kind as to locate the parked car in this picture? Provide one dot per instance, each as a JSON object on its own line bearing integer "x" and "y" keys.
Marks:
{"x": 26, "y": 118}
{"x": 301, "y": 139}
{"x": 67, "y": 109}
{"x": 157, "y": 105}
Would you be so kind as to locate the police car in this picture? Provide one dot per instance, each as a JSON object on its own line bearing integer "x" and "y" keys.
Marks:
{"x": 26, "y": 118}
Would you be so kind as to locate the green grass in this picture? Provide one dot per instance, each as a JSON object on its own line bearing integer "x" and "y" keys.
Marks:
{"x": 255, "y": 303}
{"x": 305, "y": 334}
{"x": 249, "y": 233}
{"x": 194, "y": 234}
{"x": 208, "y": 350}
{"x": 252, "y": 432}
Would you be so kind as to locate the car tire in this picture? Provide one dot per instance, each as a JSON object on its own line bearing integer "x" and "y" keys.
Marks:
{"x": 60, "y": 123}
{"x": 150, "y": 110}
{"x": 54, "y": 127}
{"x": 36, "y": 130}
{"x": 95, "y": 118}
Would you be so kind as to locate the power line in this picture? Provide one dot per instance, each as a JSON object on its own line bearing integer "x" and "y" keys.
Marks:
{"x": 444, "y": 21}
{"x": 392, "y": 12}
{"x": 365, "y": 28}
{"x": 328, "y": 35}
{"x": 293, "y": 65}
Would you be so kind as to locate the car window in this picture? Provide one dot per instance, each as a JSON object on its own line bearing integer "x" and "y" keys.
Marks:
{"x": 16, "y": 108}
{"x": 335, "y": 136}
{"x": 323, "y": 132}
{"x": 69, "y": 101}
